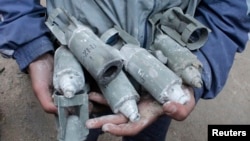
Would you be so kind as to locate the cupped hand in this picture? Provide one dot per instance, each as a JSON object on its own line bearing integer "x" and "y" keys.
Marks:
{"x": 41, "y": 74}
{"x": 118, "y": 124}
{"x": 149, "y": 109}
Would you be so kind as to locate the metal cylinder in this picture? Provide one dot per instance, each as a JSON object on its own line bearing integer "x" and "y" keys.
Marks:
{"x": 183, "y": 28}
{"x": 122, "y": 97}
{"x": 155, "y": 77}
{"x": 89, "y": 49}
{"x": 94, "y": 55}
{"x": 74, "y": 129}
{"x": 180, "y": 60}
{"x": 68, "y": 77}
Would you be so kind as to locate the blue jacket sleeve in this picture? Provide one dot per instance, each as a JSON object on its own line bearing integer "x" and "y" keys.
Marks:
{"x": 23, "y": 34}
{"x": 229, "y": 21}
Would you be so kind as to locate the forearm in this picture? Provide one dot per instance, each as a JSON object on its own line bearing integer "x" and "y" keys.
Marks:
{"x": 41, "y": 74}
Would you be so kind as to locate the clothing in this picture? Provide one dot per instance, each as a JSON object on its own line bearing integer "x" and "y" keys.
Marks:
{"x": 230, "y": 25}
{"x": 228, "y": 20}
{"x": 23, "y": 34}
{"x": 131, "y": 16}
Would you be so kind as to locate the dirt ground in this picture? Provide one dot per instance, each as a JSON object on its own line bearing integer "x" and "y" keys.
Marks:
{"x": 22, "y": 119}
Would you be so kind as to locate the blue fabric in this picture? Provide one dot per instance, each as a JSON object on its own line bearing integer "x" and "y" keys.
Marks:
{"x": 230, "y": 24}
{"x": 22, "y": 30}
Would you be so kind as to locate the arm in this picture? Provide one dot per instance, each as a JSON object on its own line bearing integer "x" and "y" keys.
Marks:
{"x": 41, "y": 74}
{"x": 230, "y": 24}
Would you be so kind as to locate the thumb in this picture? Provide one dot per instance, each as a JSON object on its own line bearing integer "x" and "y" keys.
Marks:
{"x": 98, "y": 98}
{"x": 169, "y": 108}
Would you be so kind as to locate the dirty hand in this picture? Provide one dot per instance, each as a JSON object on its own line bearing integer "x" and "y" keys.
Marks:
{"x": 149, "y": 109}
{"x": 179, "y": 111}
{"x": 41, "y": 74}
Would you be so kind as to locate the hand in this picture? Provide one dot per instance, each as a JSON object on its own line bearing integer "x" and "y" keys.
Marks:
{"x": 118, "y": 124}
{"x": 178, "y": 111}
{"x": 41, "y": 73}
{"x": 149, "y": 109}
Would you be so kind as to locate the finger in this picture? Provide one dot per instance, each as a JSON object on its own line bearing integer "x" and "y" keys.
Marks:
{"x": 44, "y": 97}
{"x": 100, "y": 121}
{"x": 149, "y": 109}
{"x": 41, "y": 72}
{"x": 91, "y": 106}
{"x": 178, "y": 111}
{"x": 132, "y": 128}
{"x": 50, "y": 108}
{"x": 128, "y": 129}
{"x": 169, "y": 108}
{"x": 97, "y": 97}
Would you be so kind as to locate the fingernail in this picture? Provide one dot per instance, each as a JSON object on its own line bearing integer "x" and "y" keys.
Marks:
{"x": 105, "y": 127}
{"x": 90, "y": 123}
{"x": 169, "y": 107}
{"x": 92, "y": 93}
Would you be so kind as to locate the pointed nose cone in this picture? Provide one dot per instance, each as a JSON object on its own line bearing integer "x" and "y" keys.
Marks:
{"x": 197, "y": 82}
{"x": 130, "y": 110}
